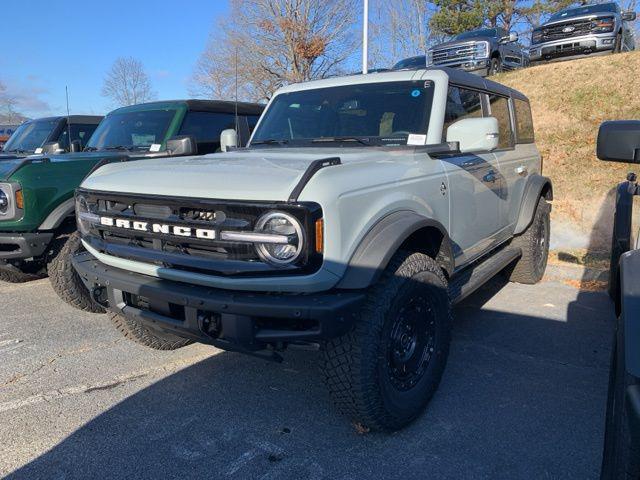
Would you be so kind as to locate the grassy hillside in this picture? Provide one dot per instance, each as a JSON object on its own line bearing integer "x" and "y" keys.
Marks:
{"x": 569, "y": 101}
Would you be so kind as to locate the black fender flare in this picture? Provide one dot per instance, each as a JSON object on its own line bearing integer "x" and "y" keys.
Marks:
{"x": 537, "y": 186}
{"x": 384, "y": 239}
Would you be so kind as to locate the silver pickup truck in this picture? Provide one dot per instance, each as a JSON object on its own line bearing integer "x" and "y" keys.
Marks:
{"x": 362, "y": 209}
{"x": 578, "y": 31}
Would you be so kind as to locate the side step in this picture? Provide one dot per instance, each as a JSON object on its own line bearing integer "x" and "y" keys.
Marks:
{"x": 473, "y": 277}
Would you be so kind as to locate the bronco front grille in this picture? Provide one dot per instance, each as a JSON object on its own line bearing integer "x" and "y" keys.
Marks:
{"x": 199, "y": 254}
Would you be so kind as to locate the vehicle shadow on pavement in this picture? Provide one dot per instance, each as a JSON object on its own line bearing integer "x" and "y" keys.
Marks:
{"x": 517, "y": 400}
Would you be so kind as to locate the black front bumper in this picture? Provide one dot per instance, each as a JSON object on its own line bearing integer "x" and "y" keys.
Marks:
{"x": 232, "y": 320}
{"x": 19, "y": 246}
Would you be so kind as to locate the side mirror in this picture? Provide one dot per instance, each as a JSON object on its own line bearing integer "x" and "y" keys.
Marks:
{"x": 228, "y": 139}
{"x": 182, "y": 145}
{"x": 475, "y": 134}
{"x": 629, "y": 16}
{"x": 76, "y": 146}
{"x": 511, "y": 38}
{"x": 619, "y": 141}
{"x": 50, "y": 148}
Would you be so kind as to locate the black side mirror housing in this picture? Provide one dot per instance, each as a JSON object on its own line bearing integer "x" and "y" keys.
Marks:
{"x": 50, "y": 148}
{"x": 182, "y": 145}
{"x": 629, "y": 16}
{"x": 619, "y": 141}
{"x": 76, "y": 146}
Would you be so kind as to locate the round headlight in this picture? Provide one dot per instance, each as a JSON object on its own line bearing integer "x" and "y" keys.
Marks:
{"x": 4, "y": 202}
{"x": 281, "y": 224}
{"x": 82, "y": 214}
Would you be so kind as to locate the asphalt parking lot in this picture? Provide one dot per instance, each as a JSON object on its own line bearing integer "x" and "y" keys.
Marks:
{"x": 523, "y": 397}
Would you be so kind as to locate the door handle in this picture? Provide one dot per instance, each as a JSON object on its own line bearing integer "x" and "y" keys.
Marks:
{"x": 489, "y": 177}
{"x": 522, "y": 170}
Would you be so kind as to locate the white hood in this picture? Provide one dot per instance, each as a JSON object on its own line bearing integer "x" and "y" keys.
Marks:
{"x": 242, "y": 175}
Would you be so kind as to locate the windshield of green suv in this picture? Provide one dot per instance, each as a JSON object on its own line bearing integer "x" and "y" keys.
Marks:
{"x": 29, "y": 136}
{"x": 483, "y": 32}
{"x": 383, "y": 113}
{"x": 587, "y": 10}
{"x": 131, "y": 130}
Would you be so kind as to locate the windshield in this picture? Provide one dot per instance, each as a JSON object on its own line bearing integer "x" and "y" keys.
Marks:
{"x": 131, "y": 130}
{"x": 483, "y": 32}
{"x": 588, "y": 10}
{"x": 30, "y": 135}
{"x": 370, "y": 114}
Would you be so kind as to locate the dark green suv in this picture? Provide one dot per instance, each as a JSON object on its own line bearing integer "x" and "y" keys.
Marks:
{"x": 50, "y": 135}
{"x": 36, "y": 192}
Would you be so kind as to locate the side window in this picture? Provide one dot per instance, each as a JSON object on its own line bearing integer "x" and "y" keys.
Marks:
{"x": 524, "y": 122}
{"x": 206, "y": 127}
{"x": 500, "y": 110}
{"x": 461, "y": 103}
{"x": 78, "y": 132}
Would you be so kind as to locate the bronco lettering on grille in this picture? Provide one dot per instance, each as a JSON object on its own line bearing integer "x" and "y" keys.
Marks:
{"x": 177, "y": 230}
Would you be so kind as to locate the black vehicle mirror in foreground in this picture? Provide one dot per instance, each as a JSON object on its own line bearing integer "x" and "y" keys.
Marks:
{"x": 182, "y": 145}
{"x": 619, "y": 141}
{"x": 76, "y": 146}
{"x": 629, "y": 16}
{"x": 52, "y": 148}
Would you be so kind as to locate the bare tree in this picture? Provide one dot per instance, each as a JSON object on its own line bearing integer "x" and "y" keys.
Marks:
{"x": 8, "y": 113}
{"x": 275, "y": 42}
{"x": 126, "y": 83}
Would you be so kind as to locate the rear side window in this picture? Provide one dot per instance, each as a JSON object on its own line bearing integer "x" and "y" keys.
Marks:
{"x": 524, "y": 122}
{"x": 206, "y": 127}
{"x": 461, "y": 103}
{"x": 499, "y": 108}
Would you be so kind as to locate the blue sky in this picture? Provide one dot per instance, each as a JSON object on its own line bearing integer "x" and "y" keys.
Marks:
{"x": 45, "y": 45}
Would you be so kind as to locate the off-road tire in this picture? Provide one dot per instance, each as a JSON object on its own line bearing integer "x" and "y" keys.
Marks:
{"x": 534, "y": 243}
{"x": 618, "y": 44}
{"x": 65, "y": 280}
{"x": 358, "y": 367}
{"x": 495, "y": 66}
{"x": 137, "y": 332}
{"x": 11, "y": 275}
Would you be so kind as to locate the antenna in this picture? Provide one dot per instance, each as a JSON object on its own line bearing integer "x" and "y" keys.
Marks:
{"x": 236, "y": 101}
{"x": 66, "y": 90}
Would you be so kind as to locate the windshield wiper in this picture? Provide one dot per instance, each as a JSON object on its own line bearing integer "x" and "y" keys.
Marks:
{"x": 363, "y": 141}
{"x": 90, "y": 149}
{"x": 270, "y": 141}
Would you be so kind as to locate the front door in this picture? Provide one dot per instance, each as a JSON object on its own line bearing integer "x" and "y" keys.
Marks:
{"x": 475, "y": 185}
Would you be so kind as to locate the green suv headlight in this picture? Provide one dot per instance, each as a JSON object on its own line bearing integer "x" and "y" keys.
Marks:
{"x": 280, "y": 225}
{"x": 11, "y": 201}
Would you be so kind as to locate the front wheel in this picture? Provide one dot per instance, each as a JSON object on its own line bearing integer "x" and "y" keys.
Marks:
{"x": 65, "y": 280}
{"x": 495, "y": 67}
{"x": 618, "y": 45}
{"x": 383, "y": 373}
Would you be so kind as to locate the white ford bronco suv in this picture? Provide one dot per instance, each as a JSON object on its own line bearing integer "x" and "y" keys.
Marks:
{"x": 362, "y": 209}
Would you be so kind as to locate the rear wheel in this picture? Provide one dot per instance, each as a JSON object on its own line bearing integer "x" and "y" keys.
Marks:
{"x": 65, "y": 280}
{"x": 139, "y": 333}
{"x": 534, "y": 243}
{"x": 383, "y": 373}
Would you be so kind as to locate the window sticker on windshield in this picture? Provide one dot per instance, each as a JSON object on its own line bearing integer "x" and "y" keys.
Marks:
{"x": 415, "y": 139}
{"x": 155, "y": 147}
{"x": 416, "y": 93}
{"x": 38, "y": 150}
